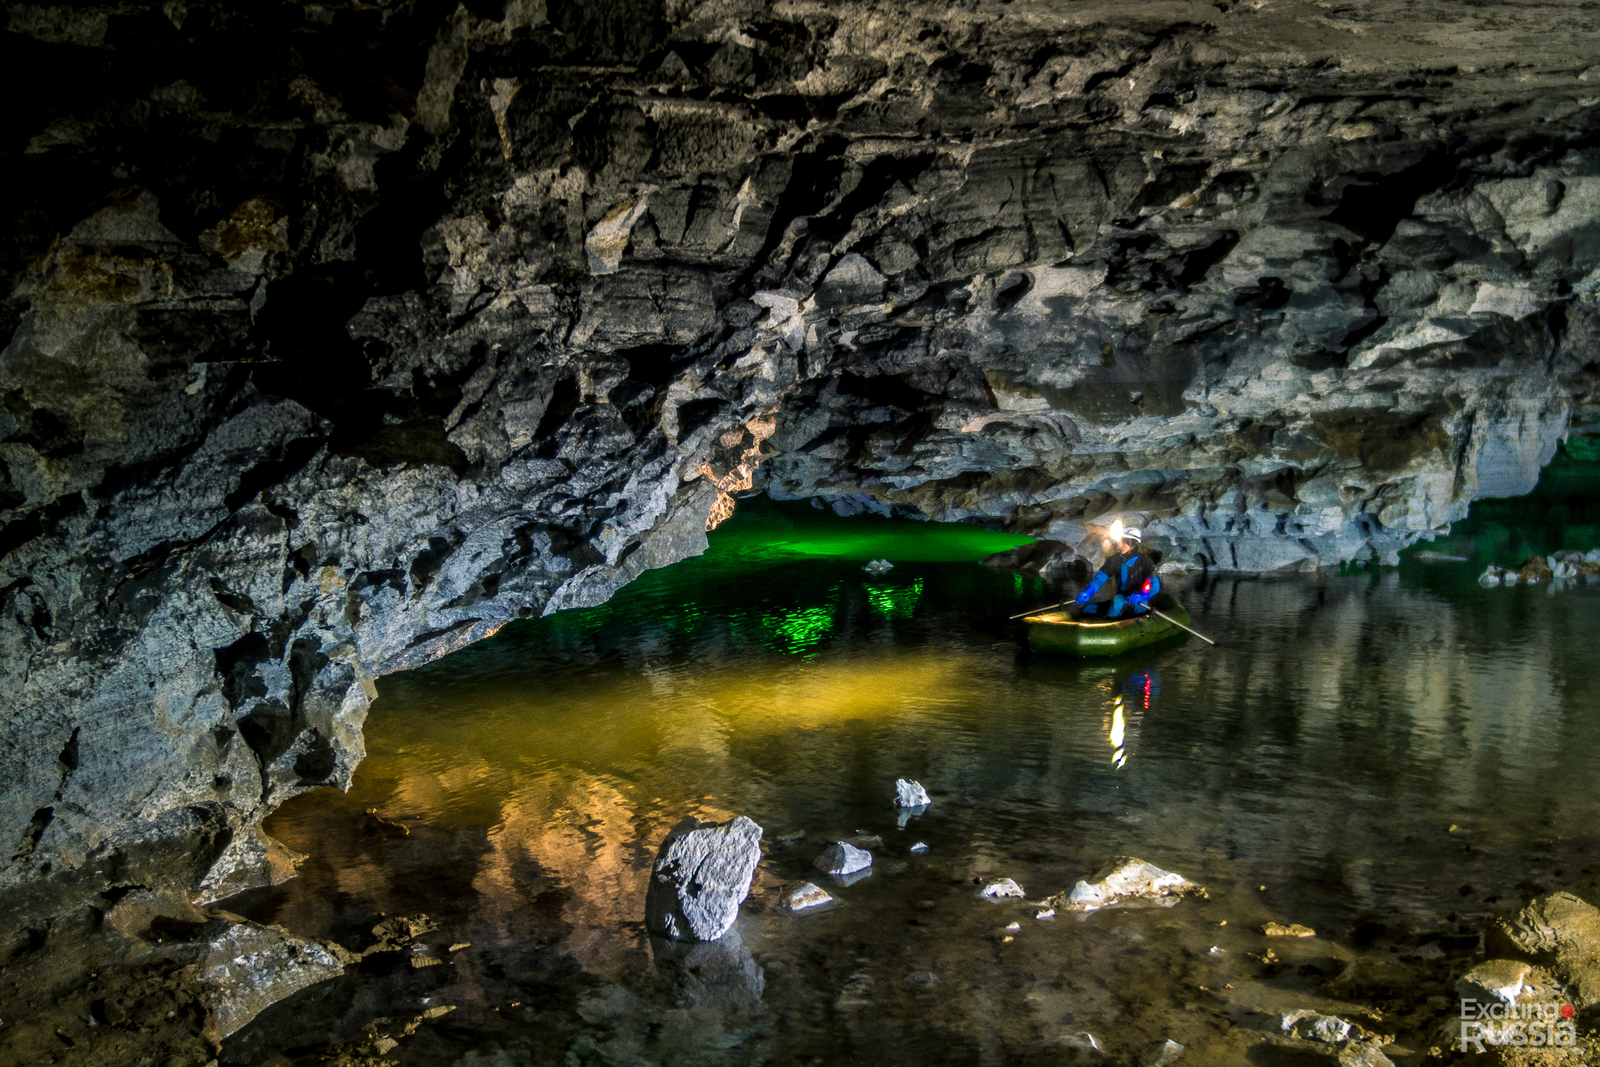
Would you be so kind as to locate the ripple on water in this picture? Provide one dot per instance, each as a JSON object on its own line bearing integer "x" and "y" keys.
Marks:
{"x": 1356, "y": 751}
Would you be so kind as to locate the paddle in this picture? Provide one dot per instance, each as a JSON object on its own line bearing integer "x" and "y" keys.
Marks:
{"x": 1181, "y": 626}
{"x": 1036, "y": 611}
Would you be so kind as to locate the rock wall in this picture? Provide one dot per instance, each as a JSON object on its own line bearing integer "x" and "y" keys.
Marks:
{"x": 341, "y": 334}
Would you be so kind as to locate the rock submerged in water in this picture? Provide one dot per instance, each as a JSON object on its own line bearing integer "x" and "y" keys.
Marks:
{"x": 843, "y": 858}
{"x": 909, "y": 793}
{"x": 1126, "y": 881}
{"x": 701, "y": 876}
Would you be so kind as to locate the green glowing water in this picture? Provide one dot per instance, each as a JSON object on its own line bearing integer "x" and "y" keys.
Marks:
{"x": 1563, "y": 512}
{"x": 1391, "y": 758}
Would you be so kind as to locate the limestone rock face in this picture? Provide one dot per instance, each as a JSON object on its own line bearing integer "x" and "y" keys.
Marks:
{"x": 701, "y": 876}
{"x": 411, "y": 321}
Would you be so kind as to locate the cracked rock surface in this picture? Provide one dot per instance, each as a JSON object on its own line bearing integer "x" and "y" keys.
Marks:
{"x": 339, "y": 335}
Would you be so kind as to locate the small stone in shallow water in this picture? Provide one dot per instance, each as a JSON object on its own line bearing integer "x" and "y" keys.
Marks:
{"x": 843, "y": 858}
{"x": 1123, "y": 881}
{"x": 909, "y": 793}
{"x": 1045, "y": 913}
{"x": 1084, "y": 1044}
{"x": 922, "y": 978}
{"x": 1314, "y": 1026}
{"x": 919, "y": 847}
{"x": 1169, "y": 1051}
{"x": 1013, "y": 926}
{"x": 1004, "y": 889}
{"x": 806, "y": 895}
{"x": 1292, "y": 930}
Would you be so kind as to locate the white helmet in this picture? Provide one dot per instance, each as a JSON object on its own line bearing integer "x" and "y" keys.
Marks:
{"x": 1133, "y": 536}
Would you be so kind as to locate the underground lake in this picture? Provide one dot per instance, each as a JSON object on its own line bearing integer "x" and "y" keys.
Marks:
{"x": 1390, "y": 758}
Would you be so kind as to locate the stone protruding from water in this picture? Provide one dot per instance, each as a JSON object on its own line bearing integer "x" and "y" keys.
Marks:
{"x": 806, "y": 895}
{"x": 1494, "y": 982}
{"x": 1292, "y": 930}
{"x": 1559, "y": 931}
{"x": 701, "y": 876}
{"x": 843, "y": 858}
{"x": 1123, "y": 881}
{"x": 910, "y": 794}
{"x": 1352, "y": 1045}
{"x": 1313, "y": 1026}
{"x": 1004, "y": 889}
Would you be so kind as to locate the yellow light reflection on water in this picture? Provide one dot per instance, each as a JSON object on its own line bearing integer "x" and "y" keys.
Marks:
{"x": 568, "y": 781}
{"x": 1118, "y": 730}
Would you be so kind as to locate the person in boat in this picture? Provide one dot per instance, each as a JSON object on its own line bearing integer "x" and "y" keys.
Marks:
{"x": 1124, "y": 584}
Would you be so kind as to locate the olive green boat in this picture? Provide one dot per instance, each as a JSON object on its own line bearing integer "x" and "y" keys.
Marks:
{"x": 1062, "y": 634}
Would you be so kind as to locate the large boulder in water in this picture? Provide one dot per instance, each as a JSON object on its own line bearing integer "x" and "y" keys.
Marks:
{"x": 700, "y": 877}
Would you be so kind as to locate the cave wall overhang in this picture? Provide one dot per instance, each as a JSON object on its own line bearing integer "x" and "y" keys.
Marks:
{"x": 340, "y": 335}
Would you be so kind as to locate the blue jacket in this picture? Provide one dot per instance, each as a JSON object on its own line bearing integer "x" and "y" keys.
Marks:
{"x": 1124, "y": 581}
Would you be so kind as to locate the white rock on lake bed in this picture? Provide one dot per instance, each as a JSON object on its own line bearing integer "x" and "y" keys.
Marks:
{"x": 842, "y": 858}
{"x": 1004, "y": 889}
{"x": 806, "y": 895}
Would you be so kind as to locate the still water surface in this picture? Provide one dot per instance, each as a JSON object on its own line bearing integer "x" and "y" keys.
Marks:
{"x": 1388, "y": 757}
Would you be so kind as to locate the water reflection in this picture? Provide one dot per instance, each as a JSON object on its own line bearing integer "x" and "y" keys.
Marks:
{"x": 1324, "y": 752}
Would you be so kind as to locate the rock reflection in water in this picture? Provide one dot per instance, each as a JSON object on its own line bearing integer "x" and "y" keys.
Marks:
{"x": 1325, "y": 752}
